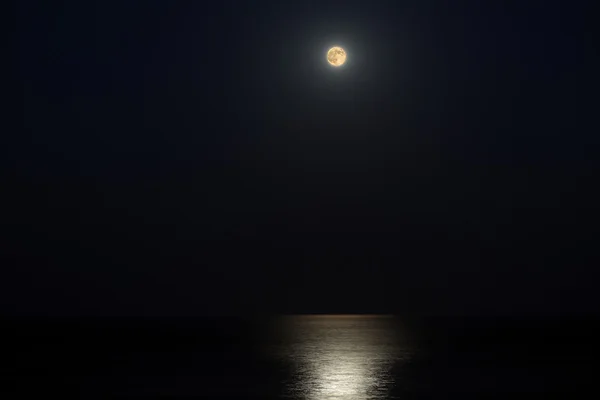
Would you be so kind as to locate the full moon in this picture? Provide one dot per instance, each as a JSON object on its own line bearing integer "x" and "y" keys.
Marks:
{"x": 336, "y": 56}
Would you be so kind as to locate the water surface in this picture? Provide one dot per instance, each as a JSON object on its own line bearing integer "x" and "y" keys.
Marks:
{"x": 299, "y": 358}
{"x": 345, "y": 357}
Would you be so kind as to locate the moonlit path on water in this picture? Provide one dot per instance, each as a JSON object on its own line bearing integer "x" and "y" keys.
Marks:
{"x": 341, "y": 357}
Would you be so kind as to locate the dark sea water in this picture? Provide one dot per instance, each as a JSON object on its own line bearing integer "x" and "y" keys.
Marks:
{"x": 300, "y": 357}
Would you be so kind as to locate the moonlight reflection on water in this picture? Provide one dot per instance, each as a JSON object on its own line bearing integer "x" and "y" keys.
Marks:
{"x": 341, "y": 357}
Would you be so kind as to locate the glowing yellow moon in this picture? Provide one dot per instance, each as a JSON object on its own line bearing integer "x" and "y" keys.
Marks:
{"x": 336, "y": 56}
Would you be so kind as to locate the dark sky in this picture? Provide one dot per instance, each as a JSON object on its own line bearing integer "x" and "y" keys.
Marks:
{"x": 187, "y": 157}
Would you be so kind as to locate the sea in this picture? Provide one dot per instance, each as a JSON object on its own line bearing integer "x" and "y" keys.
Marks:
{"x": 308, "y": 357}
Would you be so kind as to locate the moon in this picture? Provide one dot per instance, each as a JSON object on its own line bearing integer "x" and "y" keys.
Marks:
{"x": 336, "y": 56}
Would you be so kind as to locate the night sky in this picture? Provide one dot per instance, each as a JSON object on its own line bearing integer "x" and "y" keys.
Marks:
{"x": 202, "y": 158}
